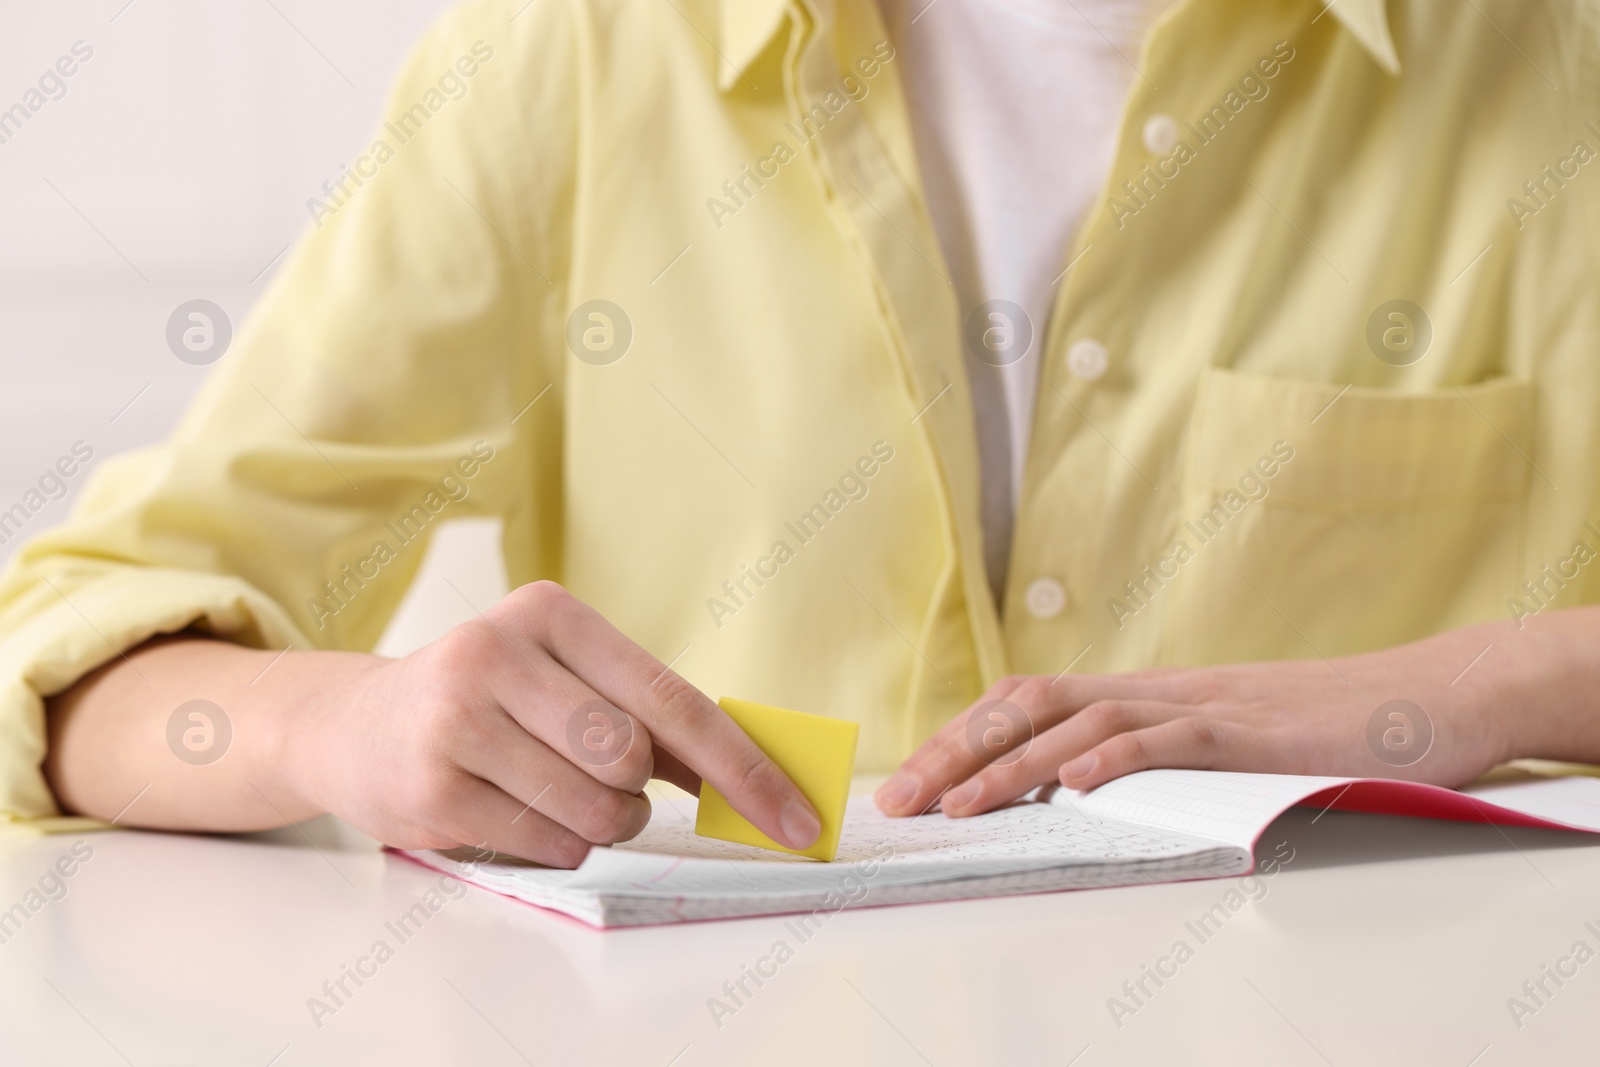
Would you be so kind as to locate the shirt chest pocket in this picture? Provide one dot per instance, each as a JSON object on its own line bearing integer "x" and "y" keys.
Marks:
{"x": 1321, "y": 522}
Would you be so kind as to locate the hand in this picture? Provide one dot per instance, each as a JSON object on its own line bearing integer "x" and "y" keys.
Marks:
{"x": 530, "y": 730}
{"x": 1295, "y": 717}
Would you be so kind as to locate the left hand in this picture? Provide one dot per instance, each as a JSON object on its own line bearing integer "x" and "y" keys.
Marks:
{"x": 1292, "y": 717}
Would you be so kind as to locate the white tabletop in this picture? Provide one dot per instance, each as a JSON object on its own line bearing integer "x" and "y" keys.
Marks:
{"x": 1383, "y": 940}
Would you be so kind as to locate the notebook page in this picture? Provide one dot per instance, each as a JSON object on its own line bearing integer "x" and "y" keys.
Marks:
{"x": 670, "y": 874}
{"x": 1227, "y": 806}
{"x": 1572, "y": 801}
{"x": 669, "y": 858}
{"x": 1234, "y": 807}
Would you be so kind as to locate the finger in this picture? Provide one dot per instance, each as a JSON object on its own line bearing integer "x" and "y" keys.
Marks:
{"x": 1013, "y": 712}
{"x": 548, "y": 702}
{"x": 670, "y": 768}
{"x": 955, "y": 730}
{"x": 500, "y": 752}
{"x": 674, "y": 712}
{"x": 957, "y": 750}
{"x": 477, "y": 814}
{"x": 1189, "y": 741}
{"x": 1040, "y": 761}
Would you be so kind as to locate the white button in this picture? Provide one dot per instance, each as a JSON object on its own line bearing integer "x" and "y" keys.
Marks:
{"x": 1161, "y": 134}
{"x": 1045, "y": 598}
{"x": 1087, "y": 359}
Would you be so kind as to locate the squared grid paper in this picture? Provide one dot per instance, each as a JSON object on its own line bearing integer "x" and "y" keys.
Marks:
{"x": 1573, "y": 801}
{"x": 668, "y": 874}
{"x": 1148, "y": 827}
{"x": 1027, "y": 834}
{"x": 1231, "y": 807}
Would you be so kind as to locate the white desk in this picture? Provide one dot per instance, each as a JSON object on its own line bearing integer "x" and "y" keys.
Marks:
{"x": 1384, "y": 940}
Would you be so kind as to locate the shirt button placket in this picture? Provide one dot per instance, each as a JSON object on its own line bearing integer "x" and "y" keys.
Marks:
{"x": 1087, "y": 359}
{"x": 1044, "y": 598}
{"x": 1160, "y": 134}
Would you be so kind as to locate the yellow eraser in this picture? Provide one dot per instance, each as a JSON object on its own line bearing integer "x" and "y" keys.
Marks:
{"x": 816, "y": 752}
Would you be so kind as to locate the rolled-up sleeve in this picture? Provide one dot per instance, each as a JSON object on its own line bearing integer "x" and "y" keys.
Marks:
{"x": 382, "y": 386}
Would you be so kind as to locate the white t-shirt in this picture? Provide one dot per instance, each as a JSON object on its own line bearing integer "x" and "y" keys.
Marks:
{"x": 1014, "y": 108}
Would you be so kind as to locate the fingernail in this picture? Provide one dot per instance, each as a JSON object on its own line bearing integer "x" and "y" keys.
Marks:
{"x": 1080, "y": 766}
{"x": 898, "y": 792}
{"x": 800, "y": 824}
{"x": 962, "y": 795}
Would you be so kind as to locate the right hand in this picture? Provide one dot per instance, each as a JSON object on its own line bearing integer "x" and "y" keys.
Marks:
{"x": 530, "y": 730}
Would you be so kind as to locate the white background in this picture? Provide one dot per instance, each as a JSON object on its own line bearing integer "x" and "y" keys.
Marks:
{"x": 177, "y": 166}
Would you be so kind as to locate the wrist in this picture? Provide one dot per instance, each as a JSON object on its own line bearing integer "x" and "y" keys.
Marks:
{"x": 1498, "y": 692}
{"x": 1539, "y": 695}
{"x": 302, "y": 723}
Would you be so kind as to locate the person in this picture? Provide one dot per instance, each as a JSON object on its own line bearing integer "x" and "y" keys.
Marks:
{"x": 1055, "y": 393}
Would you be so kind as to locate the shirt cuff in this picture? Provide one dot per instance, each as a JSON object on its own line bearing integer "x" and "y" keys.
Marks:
{"x": 75, "y": 618}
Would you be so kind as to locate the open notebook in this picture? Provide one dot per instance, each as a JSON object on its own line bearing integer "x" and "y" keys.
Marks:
{"x": 1154, "y": 826}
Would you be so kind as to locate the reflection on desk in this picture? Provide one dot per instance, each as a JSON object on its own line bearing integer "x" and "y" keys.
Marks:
{"x": 1381, "y": 940}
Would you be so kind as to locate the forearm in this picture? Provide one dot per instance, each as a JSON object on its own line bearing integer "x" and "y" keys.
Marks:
{"x": 530, "y": 730}
{"x": 110, "y": 742}
{"x": 1468, "y": 699}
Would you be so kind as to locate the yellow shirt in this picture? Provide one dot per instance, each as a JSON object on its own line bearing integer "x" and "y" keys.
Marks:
{"x": 758, "y": 450}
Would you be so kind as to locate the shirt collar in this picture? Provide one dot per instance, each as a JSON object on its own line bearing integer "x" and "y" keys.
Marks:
{"x": 1368, "y": 22}
{"x": 747, "y": 26}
